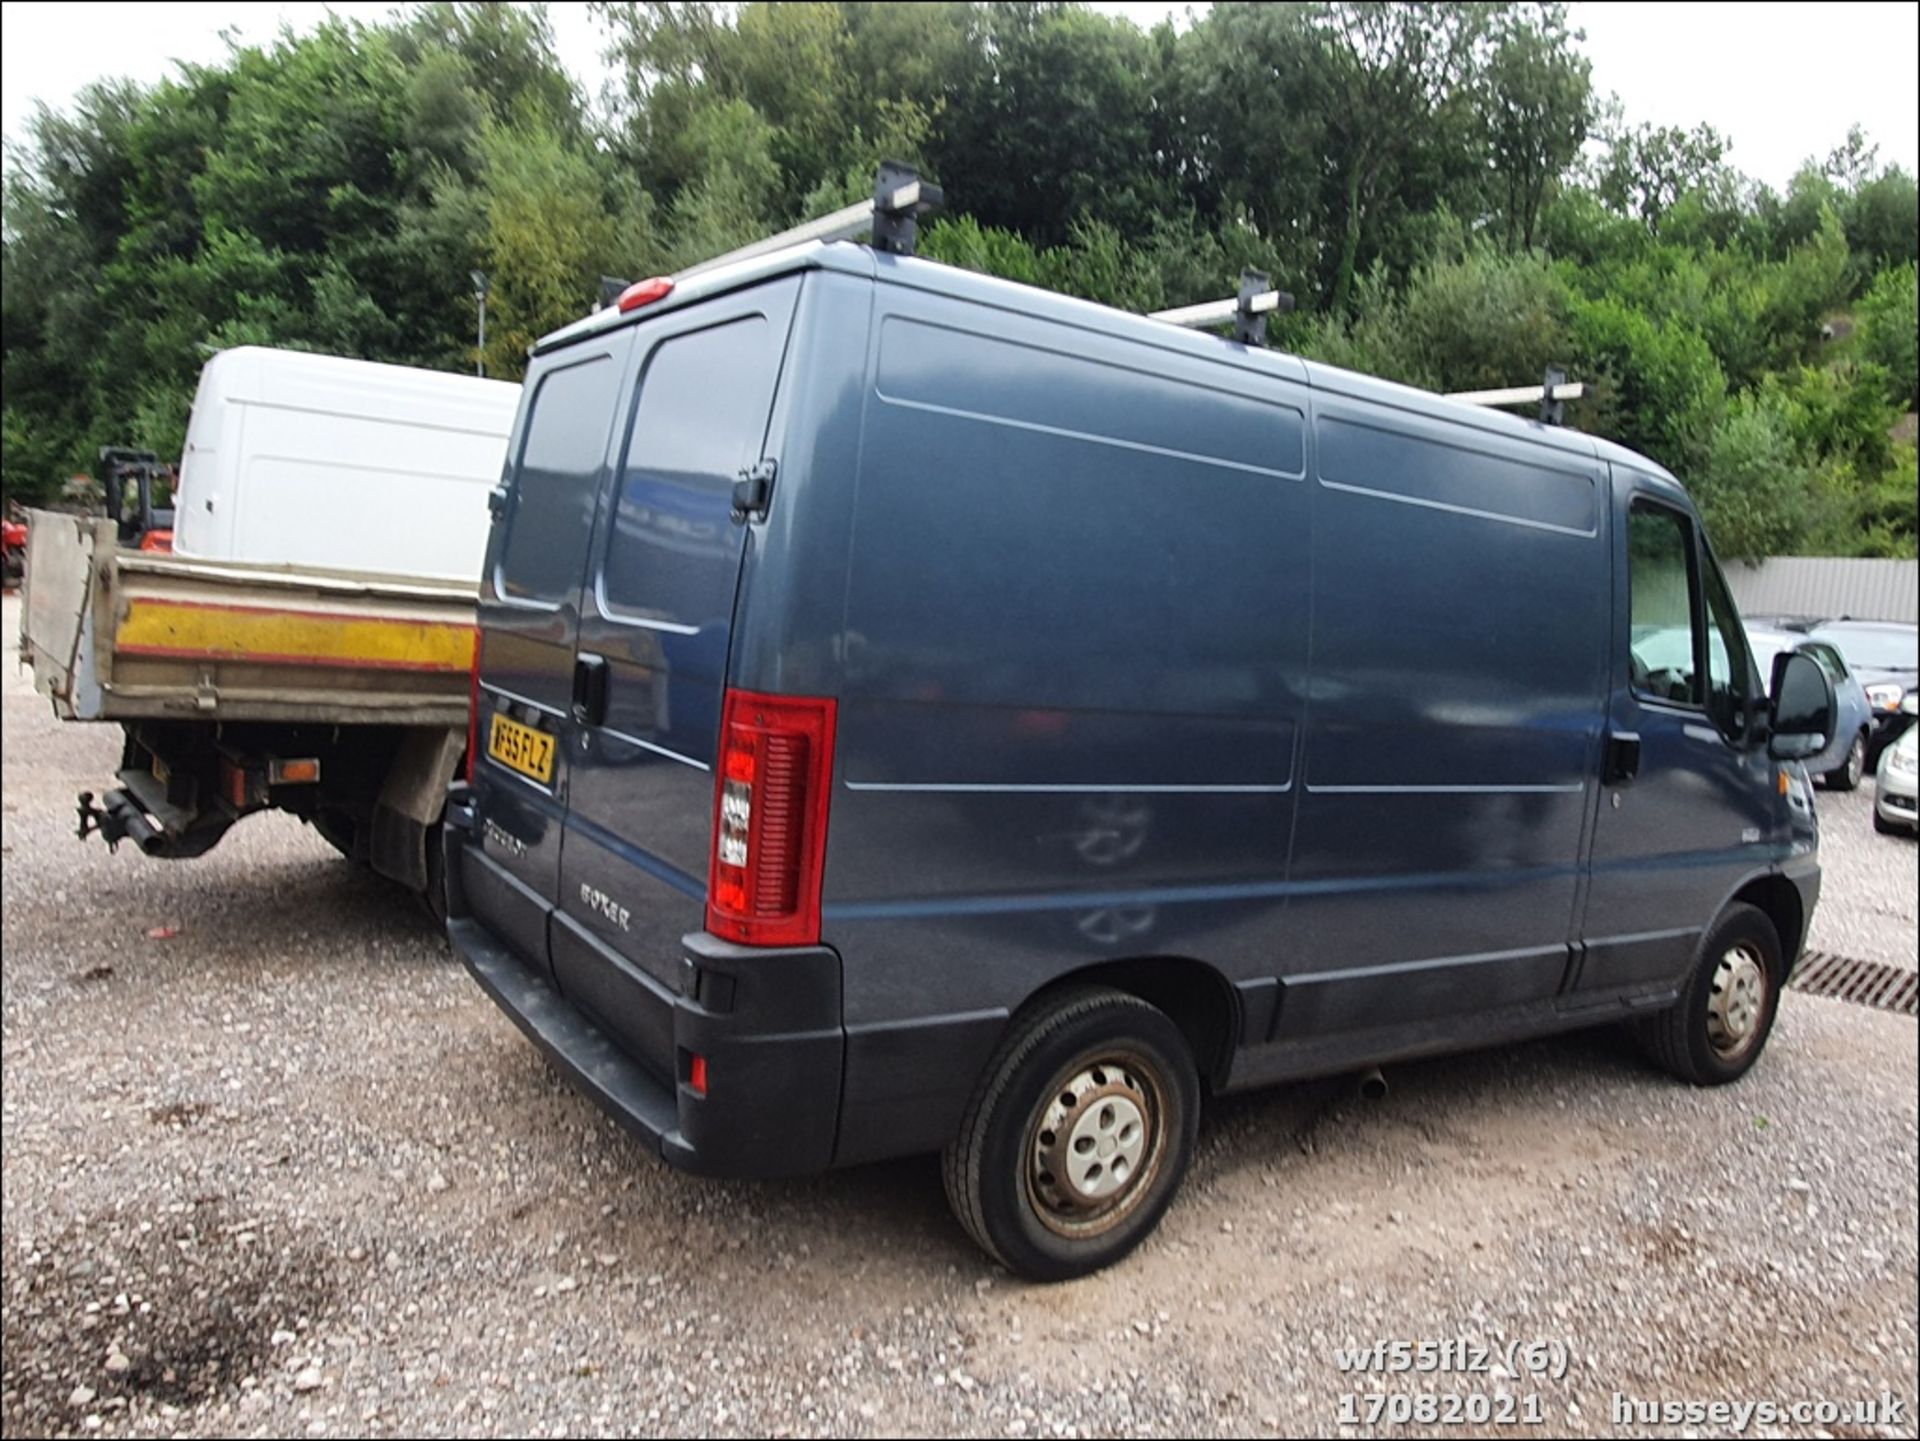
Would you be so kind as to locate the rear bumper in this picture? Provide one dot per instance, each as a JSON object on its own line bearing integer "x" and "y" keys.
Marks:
{"x": 766, "y": 1021}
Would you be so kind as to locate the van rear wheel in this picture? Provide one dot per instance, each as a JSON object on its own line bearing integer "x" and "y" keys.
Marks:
{"x": 1077, "y": 1136}
{"x": 1726, "y": 1011}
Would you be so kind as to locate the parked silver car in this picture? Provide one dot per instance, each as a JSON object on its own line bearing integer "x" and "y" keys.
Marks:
{"x": 1893, "y": 801}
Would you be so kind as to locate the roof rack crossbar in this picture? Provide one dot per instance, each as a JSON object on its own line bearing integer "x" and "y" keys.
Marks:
{"x": 1248, "y": 310}
{"x": 1551, "y": 396}
{"x": 900, "y": 198}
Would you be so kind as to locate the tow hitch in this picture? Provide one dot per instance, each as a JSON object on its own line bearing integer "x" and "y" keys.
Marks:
{"x": 158, "y": 829}
{"x": 115, "y": 821}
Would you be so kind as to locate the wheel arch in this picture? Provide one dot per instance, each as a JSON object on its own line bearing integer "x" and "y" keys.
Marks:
{"x": 1779, "y": 900}
{"x": 1196, "y": 997}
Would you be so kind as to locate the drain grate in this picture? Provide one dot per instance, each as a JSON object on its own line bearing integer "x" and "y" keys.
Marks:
{"x": 1867, "y": 983}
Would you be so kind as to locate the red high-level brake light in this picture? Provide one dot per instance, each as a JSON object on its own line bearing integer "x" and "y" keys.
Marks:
{"x": 644, "y": 292}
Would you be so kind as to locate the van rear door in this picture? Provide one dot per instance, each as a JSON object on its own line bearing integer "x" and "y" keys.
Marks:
{"x": 530, "y": 598}
{"x": 656, "y": 621}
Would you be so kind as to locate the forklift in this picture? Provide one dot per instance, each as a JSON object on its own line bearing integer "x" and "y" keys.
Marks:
{"x": 138, "y": 490}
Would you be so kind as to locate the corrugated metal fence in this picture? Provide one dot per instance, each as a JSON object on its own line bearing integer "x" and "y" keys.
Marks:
{"x": 1828, "y": 586}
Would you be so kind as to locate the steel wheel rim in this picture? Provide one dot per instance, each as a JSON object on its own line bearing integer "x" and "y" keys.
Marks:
{"x": 1095, "y": 1144}
{"x": 1736, "y": 1002}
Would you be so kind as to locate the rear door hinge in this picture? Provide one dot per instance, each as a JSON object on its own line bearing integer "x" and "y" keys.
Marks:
{"x": 753, "y": 489}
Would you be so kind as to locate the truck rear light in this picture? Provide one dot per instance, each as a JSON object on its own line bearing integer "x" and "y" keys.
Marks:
{"x": 303, "y": 772}
{"x": 242, "y": 786}
{"x": 697, "y": 1075}
{"x": 770, "y": 819}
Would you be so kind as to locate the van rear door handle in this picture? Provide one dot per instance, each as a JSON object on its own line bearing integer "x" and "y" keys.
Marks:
{"x": 590, "y": 690}
{"x": 1623, "y": 758}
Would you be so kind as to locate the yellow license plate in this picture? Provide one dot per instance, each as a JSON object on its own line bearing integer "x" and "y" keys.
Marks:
{"x": 522, "y": 748}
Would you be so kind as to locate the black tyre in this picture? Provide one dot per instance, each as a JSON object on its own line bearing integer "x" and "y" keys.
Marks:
{"x": 1883, "y": 825}
{"x": 1848, "y": 775}
{"x": 1077, "y": 1136}
{"x": 1726, "y": 1011}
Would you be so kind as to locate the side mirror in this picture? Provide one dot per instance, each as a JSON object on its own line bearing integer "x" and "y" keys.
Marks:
{"x": 1803, "y": 707}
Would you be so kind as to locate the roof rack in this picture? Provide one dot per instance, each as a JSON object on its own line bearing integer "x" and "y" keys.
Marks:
{"x": 892, "y": 216}
{"x": 1248, "y": 310}
{"x": 900, "y": 198}
{"x": 1551, "y": 394}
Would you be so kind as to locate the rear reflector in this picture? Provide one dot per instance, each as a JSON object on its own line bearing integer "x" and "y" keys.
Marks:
{"x": 293, "y": 773}
{"x": 770, "y": 819}
{"x": 644, "y": 292}
{"x": 697, "y": 1075}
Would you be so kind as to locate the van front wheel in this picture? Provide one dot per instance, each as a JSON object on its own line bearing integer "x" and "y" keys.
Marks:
{"x": 1077, "y": 1136}
{"x": 1727, "y": 1007}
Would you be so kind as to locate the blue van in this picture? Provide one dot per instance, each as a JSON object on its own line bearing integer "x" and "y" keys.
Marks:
{"x": 918, "y": 712}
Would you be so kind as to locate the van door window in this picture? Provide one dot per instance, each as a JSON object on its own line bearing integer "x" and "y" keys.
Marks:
{"x": 1665, "y": 642}
{"x": 1729, "y": 669}
{"x": 701, "y": 418}
{"x": 556, "y": 483}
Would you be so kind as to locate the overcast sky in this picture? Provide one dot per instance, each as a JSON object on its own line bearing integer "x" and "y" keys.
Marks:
{"x": 1783, "y": 81}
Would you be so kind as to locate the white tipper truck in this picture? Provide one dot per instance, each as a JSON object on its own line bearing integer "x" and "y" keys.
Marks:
{"x": 307, "y": 646}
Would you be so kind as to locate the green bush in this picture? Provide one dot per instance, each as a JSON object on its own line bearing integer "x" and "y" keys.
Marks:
{"x": 1754, "y": 491}
{"x": 1889, "y": 329}
{"x": 1657, "y": 387}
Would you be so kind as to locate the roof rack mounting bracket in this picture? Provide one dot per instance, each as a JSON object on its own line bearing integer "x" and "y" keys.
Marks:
{"x": 900, "y": 198}
{"x": 1553, "y": 409}
{"x": 1254, "y": 304}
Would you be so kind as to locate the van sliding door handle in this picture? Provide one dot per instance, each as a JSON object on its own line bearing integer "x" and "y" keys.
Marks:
{"x": 1623, "y": 758}
{"x": 590, "y": 690}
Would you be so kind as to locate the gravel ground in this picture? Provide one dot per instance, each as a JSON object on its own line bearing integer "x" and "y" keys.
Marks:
{"x": 288, "y": 1172}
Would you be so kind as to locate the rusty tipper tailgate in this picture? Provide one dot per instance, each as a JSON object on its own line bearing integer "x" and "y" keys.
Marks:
{"x": 116, "y": 635}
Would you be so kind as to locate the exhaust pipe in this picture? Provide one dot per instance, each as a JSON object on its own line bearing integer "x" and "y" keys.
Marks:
{"x": 1371, "y": 1085}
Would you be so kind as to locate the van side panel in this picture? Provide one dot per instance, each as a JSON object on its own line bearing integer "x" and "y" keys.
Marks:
{"x": 1460, "y": 631}
{"x": 1075, "y": 661}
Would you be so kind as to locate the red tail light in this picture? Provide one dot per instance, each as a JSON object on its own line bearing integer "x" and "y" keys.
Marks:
{"x": 770, "y": 796}
{"x": 473, "y": 708}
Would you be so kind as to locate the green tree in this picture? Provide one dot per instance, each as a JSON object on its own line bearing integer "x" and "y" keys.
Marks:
{"x": 1056, "y": 124}
{"x": 1754, "y": 490}
{"x": 1648, "y": 168}
{"x": 1536, "y": 99}
{"x": 1889, "y": 318}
